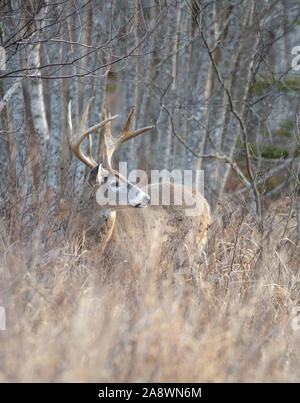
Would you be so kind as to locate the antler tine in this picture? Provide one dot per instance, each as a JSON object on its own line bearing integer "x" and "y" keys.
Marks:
{"x": 112, "y": 143}
{"x": 127, "y": 134}
{"x": 131, "y": 135}
{"x": 107, "y": 130}
{"x": 82, "y": 124}
{"x": 104, "y": 113}
{"x": 89, "y": 150}
{"x": 75, "y": 144}
{"x": 126, "y": 127}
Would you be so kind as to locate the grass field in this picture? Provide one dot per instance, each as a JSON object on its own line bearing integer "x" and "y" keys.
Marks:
{"x": 73, "y": 317}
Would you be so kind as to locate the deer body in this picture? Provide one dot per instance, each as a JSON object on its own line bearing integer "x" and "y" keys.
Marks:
{"x": 162, "y": 237}
{"x": 154, "y": 236}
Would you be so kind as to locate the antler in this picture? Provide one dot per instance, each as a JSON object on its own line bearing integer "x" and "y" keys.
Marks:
{"x": 76, "y": 141}
{"x": 113, "y": 143}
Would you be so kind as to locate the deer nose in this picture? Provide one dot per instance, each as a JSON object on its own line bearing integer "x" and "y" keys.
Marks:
{"x": 143, "y": 201}
{"x": 146, "y": 199}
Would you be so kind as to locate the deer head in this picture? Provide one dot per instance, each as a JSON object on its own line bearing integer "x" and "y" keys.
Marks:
{"x": 102, "y": 173}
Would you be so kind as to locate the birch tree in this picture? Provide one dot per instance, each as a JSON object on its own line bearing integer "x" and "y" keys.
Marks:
{"x": 209, "y": 74}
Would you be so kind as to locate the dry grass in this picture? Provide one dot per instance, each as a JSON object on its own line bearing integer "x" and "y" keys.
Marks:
{"x": 72, "y": 317}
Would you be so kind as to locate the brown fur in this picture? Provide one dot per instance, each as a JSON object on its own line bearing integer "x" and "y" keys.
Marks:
{"x": 155, "y": 236}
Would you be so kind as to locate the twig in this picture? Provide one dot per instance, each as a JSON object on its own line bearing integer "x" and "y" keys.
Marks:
{"x": 239, "y": 119}
{"x": 221, "y": 157}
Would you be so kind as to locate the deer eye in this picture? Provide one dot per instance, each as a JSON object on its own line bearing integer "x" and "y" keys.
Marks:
{"x": 115, "y": 183}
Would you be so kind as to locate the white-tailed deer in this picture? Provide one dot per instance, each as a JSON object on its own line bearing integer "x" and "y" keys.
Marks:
{"x": 161, "y": 235}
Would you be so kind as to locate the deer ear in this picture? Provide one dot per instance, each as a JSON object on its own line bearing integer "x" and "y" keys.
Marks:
{"x": 98, "y": 175}
{"x": 92, "y": 179}
{"x": 102, "y": 174}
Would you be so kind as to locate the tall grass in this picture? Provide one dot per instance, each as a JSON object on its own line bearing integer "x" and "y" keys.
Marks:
{"x": 72, "y": 316}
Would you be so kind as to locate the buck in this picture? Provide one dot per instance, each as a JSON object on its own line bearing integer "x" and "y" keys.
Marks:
{"x": 160, "y": 236}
